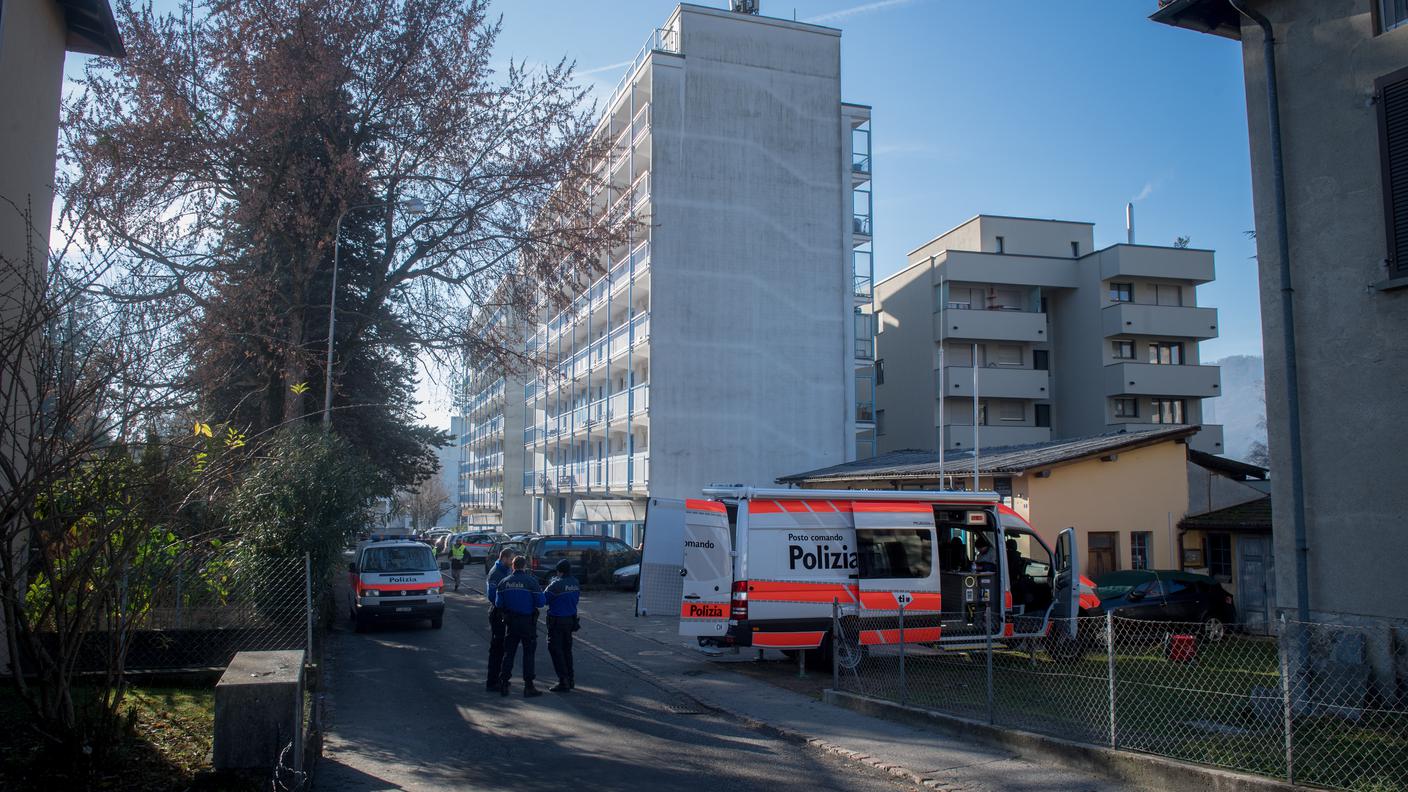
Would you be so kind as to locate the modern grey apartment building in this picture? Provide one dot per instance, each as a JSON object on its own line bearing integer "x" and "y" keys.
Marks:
{"x": 726, "y": 341}
{"x": 1069, "y": 341}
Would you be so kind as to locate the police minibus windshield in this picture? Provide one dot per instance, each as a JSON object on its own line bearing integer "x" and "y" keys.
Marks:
{"x": 398, "y": 559}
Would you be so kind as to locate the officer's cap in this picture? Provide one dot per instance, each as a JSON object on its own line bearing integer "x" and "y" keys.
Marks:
{"x": 564, "y": 567}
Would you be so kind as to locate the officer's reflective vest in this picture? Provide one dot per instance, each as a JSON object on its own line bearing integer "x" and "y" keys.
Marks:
{"x": 457, "y": 552}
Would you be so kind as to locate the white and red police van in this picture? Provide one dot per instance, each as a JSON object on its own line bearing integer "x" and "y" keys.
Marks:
{"x": 395, "y": 578}
{"x": 764, "y": 568}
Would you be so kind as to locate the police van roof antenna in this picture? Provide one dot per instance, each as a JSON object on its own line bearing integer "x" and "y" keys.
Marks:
{"x": 743, "y": 6}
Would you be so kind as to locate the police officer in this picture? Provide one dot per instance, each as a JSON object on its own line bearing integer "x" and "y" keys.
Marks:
{"x": 457, "y": 562}
{"x": 500, "y": 570}
{"x": 562, "y": 594}
{"x": 519, "y": 596}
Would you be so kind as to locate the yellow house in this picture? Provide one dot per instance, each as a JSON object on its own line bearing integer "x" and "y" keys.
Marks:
{"x": 1124, "y": 493}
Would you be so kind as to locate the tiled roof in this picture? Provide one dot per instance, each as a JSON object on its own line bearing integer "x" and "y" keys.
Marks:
{"x": 1253, "y": 515}
{"x": 912, "y": 464}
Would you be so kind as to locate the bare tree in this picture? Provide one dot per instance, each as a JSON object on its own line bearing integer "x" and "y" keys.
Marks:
{"x": 427, "y": 503}
{"x": 217, "y": 161}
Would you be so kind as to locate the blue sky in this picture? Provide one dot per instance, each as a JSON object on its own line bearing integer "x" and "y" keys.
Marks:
{"x": 1041, "y": 109}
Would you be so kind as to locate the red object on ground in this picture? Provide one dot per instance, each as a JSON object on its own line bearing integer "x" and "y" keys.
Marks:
{"x": 1182, "y": 648}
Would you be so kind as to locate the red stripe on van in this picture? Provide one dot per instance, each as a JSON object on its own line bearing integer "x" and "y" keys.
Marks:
{"x": 764, "y": 507}
{"x": 705, "y": 505}
{"x": 911, "y": 635}
{"x": 820, "y": 506}
{"x": 794, "y": 506}
{"x": 796, "y": 591}
{"x": 891, "y": 506}
{"x": 788, "y": 640}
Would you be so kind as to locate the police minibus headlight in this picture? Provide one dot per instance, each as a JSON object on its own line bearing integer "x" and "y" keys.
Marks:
{"x": 433, "y": 590}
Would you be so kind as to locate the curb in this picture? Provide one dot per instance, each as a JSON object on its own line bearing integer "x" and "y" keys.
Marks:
{"x": 1146, "y": 771}
{"x": 782, "y": 732}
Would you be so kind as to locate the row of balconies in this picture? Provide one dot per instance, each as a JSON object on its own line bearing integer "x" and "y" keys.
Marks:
{"x": 1120, "y": 319}
{"x": 632, "y": 404}
{"x": 616, "y": 473}
{"x": 630, "y": 268}
{"x": 491, "y": 395}
{"x": 592, "y": 358}
{"x": 478, "y": 433}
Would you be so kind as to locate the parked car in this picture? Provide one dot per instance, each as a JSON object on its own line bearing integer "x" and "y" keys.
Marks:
{"x": 516, "y": 545}
{"x": 1167, "y": 596}
{"x": 627, "y": 577}
{"x": 594, "y": 558}
{"x": 478, "y": 545}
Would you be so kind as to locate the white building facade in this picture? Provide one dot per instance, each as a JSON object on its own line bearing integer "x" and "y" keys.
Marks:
{"x": 722, "y": 342}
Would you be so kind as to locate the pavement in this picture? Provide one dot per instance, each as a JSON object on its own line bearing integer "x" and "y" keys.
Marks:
{"x": 406, "y": 709}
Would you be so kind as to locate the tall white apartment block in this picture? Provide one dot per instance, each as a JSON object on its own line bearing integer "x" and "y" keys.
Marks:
{"x": 1069, "y": 341}
{"x": 725, "y": 341}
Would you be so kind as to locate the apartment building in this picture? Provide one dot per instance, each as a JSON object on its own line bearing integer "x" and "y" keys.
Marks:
{"x": 1065, "y": 341}
{"x": 725, "y": 342}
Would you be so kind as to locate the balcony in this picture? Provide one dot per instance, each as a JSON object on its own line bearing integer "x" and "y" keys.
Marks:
{"x": 990, "y": 325}
{"x": 865, "y": 412}
{"x": 997, "y": 382}
{"x": 1208, "y": 438}
{"x": 860, "y": 225}
{"x": 1149, "y": 379}
{"x": 616, "y": 473}
{"x": 995, "y": 435}
{"x": 1168, "y": 321}
{"x": 1140, "y": 261}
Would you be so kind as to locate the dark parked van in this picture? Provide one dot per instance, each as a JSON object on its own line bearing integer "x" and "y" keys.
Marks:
{"x": 594, "y": 558}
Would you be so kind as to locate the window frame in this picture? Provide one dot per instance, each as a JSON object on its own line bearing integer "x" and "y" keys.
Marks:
{"x": 1156, "y": 348}
{"x": 1115, "y": 345}
{"x": 1213, "y": 559}
{"x": 1140, "y": 550}
{"x": 1396, "y": 268}
{"x": 1119, "y": 400}
{"x": 1380, "y": 19}
{"x": 1121, "y": 287}
{"x": 1156, "y": 413}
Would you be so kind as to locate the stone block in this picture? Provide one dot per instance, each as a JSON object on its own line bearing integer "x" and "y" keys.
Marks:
{"x": 259, "y": 711}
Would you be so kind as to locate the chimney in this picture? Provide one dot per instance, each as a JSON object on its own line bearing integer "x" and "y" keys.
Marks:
{"x": 1129, "y": 221}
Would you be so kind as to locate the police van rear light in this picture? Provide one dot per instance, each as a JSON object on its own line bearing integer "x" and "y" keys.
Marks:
{"x": 738, "y": 609}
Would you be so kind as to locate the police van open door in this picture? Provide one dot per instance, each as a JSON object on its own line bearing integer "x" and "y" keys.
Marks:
{"x": 706, "y": 570}
{"x": 662, "y": 557}
{"x": 1067, "y": 583}
{"x": 895, "y": 555}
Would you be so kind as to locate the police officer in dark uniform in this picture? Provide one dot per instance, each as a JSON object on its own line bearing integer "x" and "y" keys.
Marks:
{"x": 497, "y": 573}
{"x": 562, "y": 594}
{"x": 519, "y": 596}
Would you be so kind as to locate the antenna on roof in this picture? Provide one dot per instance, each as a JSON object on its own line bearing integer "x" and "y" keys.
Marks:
{"x": 744, "y": 6}
{"x": 1129, "y": 221}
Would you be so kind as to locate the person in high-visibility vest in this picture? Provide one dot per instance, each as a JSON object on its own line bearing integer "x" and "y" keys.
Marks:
{"x": 457, "y": 562}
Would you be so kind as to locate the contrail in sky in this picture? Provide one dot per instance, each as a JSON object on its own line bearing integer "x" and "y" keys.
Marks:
{"x": 864, "y": 8}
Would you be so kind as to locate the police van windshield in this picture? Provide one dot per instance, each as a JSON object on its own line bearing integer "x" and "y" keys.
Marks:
{"x": 894, "y": 553}
{"x": 398, "y": 559}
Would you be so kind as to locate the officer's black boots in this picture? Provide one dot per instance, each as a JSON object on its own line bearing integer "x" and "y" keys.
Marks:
{"x": 561, "y": 687}
{"x": 529, "y": 691}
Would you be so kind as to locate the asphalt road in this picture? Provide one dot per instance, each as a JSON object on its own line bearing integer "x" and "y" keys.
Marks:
{"x": 407, "y": 709}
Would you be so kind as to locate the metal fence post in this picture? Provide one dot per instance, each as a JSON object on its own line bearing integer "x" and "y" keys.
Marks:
{"x": 904, "y": 687}
{"x": 987, "y": 634}
{"x": 1110, "y": 670}
{"x": 1286, "y": 711}
{"x": 835, "y": 644}
{"x": 308, "y": 607}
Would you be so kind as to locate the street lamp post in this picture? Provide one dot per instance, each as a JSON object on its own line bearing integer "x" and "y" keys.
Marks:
{"x": 413, "y": 206}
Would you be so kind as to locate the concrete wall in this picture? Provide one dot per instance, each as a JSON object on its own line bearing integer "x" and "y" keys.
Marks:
{"x": 1145, "y": 489}
{"x": 746, "y": 381}
{"x": 1210, "y": 491}
{"x": 1353, "y": 356}
{"x": 32, "y": 38}
{"x": 518, "y": 507}
{"x": 906, "y": 344}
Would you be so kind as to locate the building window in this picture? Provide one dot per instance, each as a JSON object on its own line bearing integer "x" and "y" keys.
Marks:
{"x": 1075, "y": 250}
{"x": 1168, "y": 411}
{"x": 1139, "y": 549}
{"x": 1011, "y": 411}
{"x": 1009, "y": 354}
{"x": 1166, "y": 353}
{"x": 1101, "y": 553}
{"x": 1220, "y": 555}
{"x": 1126, "y": 408}
{"x": 1043, "y": 416}
{"x": 879, "y": 422}
{"x": 1121, "y": 292}
{"x": 879, "y": 371}
{"x": 1167, "y": 294}
{"x": 1041, "y": 359}
{"x": 1392, "y": 13}
{"x": 1392, "y": 104}
{"x": 1123, "y": 349}
{"x": 1001, "y": 245}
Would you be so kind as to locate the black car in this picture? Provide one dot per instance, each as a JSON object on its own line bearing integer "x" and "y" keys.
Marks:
{"x": 594, "y": 558}
{"x": 516, "y": 545}
{"x": 1167, "y": 596}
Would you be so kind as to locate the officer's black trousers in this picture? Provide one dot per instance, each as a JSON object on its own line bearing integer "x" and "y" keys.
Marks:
{"x": 521, "y": 629}
{"x": 497, "y": 674}
{"x": 560, "y": 646}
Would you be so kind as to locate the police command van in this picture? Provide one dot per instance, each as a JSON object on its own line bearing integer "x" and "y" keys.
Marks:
{"x": 765, "y": 568}
{"x": 395, "y": 578}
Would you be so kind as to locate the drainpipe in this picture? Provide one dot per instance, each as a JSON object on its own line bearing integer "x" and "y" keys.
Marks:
{"x": 1288, "y": 327}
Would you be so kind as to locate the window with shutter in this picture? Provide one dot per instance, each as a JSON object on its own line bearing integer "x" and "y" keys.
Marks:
{"x": 1392, "y": 103}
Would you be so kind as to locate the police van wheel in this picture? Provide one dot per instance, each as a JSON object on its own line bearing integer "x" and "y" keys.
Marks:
{"x": 435, "y": 624}
{"x": 851, "y": 654}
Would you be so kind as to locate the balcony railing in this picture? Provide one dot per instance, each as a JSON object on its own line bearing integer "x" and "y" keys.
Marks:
{"x": 860, "y": 224}
{"x": 865, "y": 412}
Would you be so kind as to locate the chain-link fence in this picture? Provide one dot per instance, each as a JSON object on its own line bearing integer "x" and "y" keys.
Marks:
{"x": 208, "y": 607}
{"x": 1320, "y": 704}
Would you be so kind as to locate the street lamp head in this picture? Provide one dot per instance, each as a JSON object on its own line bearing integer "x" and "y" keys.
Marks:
{"x": 414, "y": 206}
